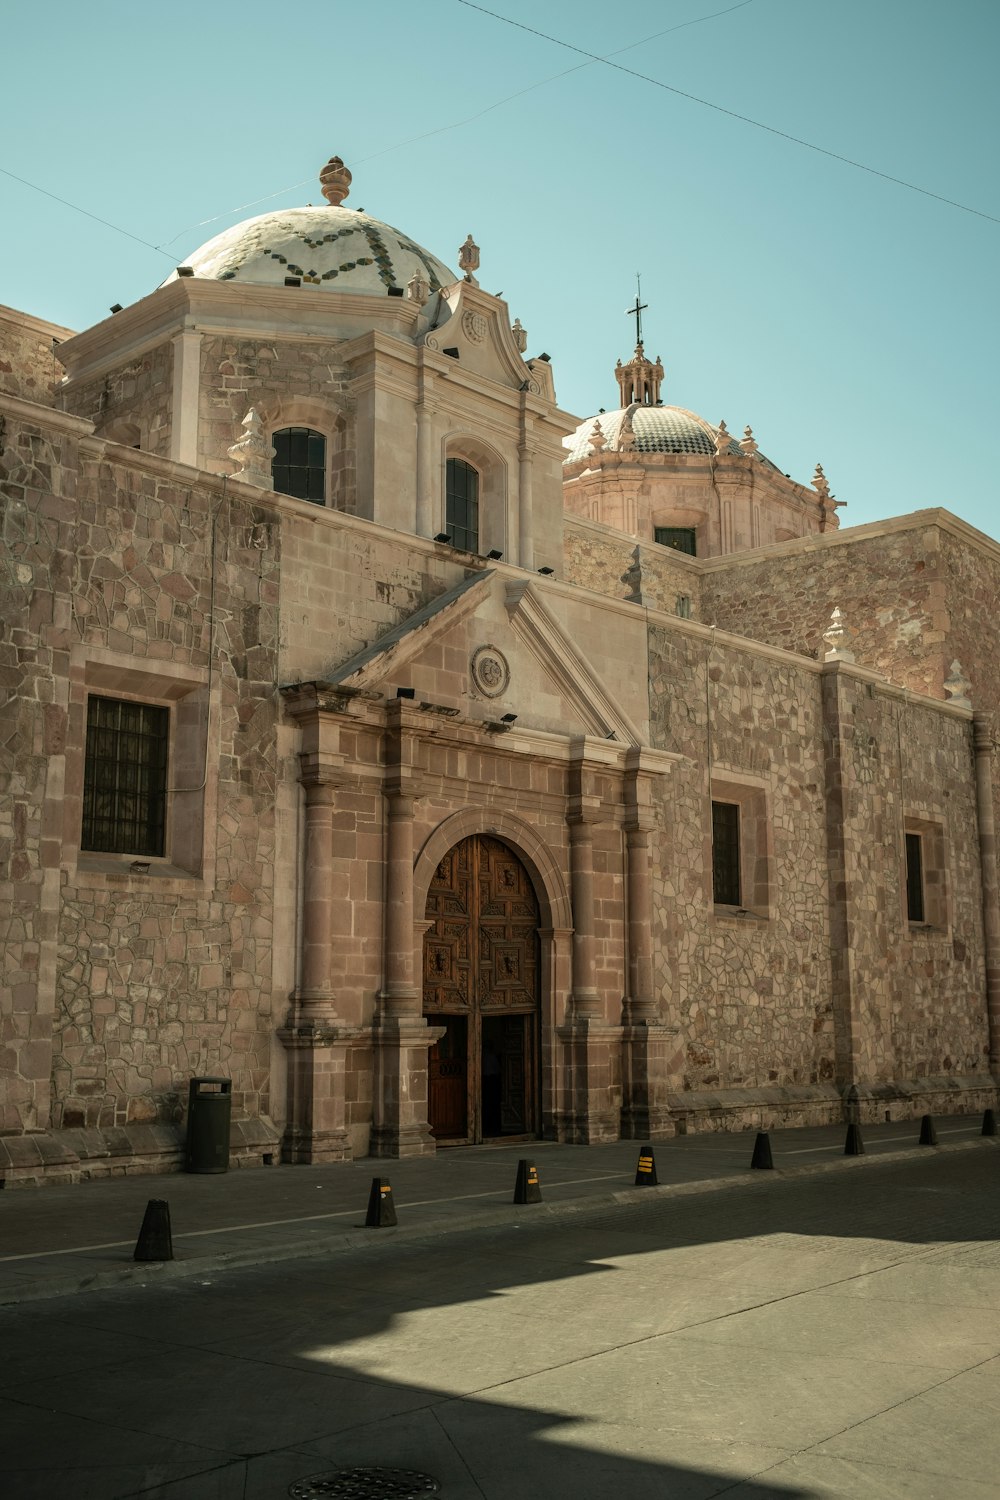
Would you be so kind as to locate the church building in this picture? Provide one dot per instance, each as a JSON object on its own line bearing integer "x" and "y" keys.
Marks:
{"x": 440, "y": 768}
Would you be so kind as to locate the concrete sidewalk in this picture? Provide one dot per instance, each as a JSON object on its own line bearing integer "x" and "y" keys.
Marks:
{"x": 58, "y": 1240}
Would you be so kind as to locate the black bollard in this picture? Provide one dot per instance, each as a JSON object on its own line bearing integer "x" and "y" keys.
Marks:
{"x": 854, "y": 1145}
{"x": 989, "y": 1123}
{"x": 645, "y": 1171}
{"x": 527, "y": 1188}
{"x": 928, "y": 1135}
{"x": 154, "y": 1242}
{"x": 762, "y": 1152}
{"x": 381, "y": 1209}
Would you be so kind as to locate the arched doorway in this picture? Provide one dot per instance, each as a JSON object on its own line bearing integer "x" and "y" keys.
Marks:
{"x": 480, "y": 977}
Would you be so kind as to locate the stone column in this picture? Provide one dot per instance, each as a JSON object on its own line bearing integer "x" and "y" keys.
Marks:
{"x": 317, "y": 1039}
{"x": 400, "y": 1033}
{"x": 984, "y": 744}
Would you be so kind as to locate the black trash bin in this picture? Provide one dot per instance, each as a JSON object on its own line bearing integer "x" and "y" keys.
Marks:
{"x": 210, "y": 1104}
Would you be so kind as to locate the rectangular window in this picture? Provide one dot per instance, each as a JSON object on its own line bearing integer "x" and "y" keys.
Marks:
{"x": 681, "y": 538}
{"x": 914, "y": 878}
{"x": 125, "y": 777}
{"x": 462, "y": 505}
{"x": 726, "y": 854}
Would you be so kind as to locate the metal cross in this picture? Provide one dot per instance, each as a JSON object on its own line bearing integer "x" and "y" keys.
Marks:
{"x": 638, "y": 310}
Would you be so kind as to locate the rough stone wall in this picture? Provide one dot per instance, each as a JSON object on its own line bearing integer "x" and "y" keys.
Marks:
{"x": 158, "y": 977}
{"x": 752, "y": 994}
{"x": 239, "y": 373}
{"x": 28, "y": 366}
{"x": 614, "y": 565}
{"x": 972, "y": 577}
{"x": 37, "y": 485}
{"x": 137, "y": 392}
{"x": 891, "y": 588}
{"x": 918, "y": 991}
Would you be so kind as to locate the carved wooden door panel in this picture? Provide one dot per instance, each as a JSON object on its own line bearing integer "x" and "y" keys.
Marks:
{"x": 481, "y": 963}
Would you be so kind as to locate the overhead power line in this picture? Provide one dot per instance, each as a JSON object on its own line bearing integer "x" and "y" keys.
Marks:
{"x": 86, "y": 212}
{"x": 732, "y": 113}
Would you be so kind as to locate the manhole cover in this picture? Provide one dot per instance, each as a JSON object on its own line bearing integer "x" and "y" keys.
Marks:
{"x": 365, "y": 1484}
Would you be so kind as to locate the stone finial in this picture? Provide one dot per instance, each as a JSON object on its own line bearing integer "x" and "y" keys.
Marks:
{"x": 821, "y": 484}
{"x": 626, "y": 434}
{"x": 520, "y": 336}
{"x": 468, "y": 259}
{"x": 837, "y": 638}
{"x": 958, "y": 687}
{"x": 598, "y": 442}
{"x": 723, "y": 438}
{"x": 748, "y": 443}
{"x": 335, "y": 180}
{"x": 418, "y": 289}
{"x": 253, "y": 453}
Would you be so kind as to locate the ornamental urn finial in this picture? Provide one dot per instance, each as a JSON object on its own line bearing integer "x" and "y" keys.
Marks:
{"x": 748, "y": 442}
{"x": 418, "y": 289}
{"x": 958, "y": 687}
{"x": 520, "y": 336}
{"x": 598, "y": 442}
{"x": 335, "y": 180}
{"x": 836, "y": 637}
{"x": 468, "y": 259}
{"x": 723, "y": 438}
{"x": 821, "y": 484}
{"x": 253, "y": 453}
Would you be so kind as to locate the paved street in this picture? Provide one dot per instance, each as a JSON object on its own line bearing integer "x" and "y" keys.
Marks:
{"x": 833, "y": 1335}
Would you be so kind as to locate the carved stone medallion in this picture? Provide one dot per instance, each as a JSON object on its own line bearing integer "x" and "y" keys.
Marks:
{"x": 490, "y": 671}
{"x": 475, "y": 326}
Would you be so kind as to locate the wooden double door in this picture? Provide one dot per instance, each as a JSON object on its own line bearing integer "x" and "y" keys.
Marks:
{"x": 480, "y": 978}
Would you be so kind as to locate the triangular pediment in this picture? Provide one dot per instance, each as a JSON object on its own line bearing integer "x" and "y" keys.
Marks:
{"x": 478, "y": 327}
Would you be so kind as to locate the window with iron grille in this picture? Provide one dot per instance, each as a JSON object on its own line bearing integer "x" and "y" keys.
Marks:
{"x": 726, "y": 854}
{"x": 462, "y": 505}
{"x": 299, "y": 464}
{"x": 125, "y": 777}
{"x": 914, "y": 878}
{"x": 681, "y": 538}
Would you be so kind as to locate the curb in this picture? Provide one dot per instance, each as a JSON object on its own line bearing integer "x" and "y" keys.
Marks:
{"x": 145, "y": 1274}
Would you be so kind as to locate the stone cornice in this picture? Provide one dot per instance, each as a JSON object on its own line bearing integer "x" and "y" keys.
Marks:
{"x": 31, "y": 324}
{"x": 917, "y": 520}
{"x": 44, "y": 416}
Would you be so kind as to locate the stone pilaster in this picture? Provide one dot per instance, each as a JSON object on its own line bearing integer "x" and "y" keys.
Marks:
{"x": 648, "y": 1045}
{"x": 838, "y": 730}
{"x": 316, "y": 1039}
{"x": 591, "y": 1055}
{"x": 984, "y": 744}
{"x": 400, "y": 1033}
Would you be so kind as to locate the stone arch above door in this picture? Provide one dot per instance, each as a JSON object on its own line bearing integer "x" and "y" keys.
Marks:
{"x": 536, "y": 856}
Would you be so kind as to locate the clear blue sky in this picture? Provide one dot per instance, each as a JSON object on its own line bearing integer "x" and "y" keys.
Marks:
{"x": 846, "y": 318}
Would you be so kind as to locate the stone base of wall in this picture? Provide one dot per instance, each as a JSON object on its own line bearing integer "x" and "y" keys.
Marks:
{"x": 825, "y": 1104}
{"x": 59, "y": 1156}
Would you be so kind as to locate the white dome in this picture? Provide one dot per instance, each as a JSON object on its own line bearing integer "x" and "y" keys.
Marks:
{"x": 343, "y": 249}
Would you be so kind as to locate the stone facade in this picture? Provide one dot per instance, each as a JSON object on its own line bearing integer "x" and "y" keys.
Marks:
{"x": 345, "y": 697}
{"x": 29, "y": 364}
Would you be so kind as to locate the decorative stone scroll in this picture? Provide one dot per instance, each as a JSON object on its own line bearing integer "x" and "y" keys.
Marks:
{"x": 490, "y": 671}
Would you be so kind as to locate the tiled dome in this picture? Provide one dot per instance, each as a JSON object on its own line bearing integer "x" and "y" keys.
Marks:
{"x": 340, "y": 248}
{"x": 657, "y": 429}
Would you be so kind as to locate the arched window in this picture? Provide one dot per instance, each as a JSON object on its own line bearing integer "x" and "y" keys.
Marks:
{"x": 462, "y": 505}
{"x": 299, "y": 464}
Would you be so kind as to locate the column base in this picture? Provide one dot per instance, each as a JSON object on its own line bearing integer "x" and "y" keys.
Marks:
{"x": 399, "y": 1045}
{"x": 591, "y": 1087}
{"x": 317, "y": 1096}
{"x": 649, "y": 1060}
